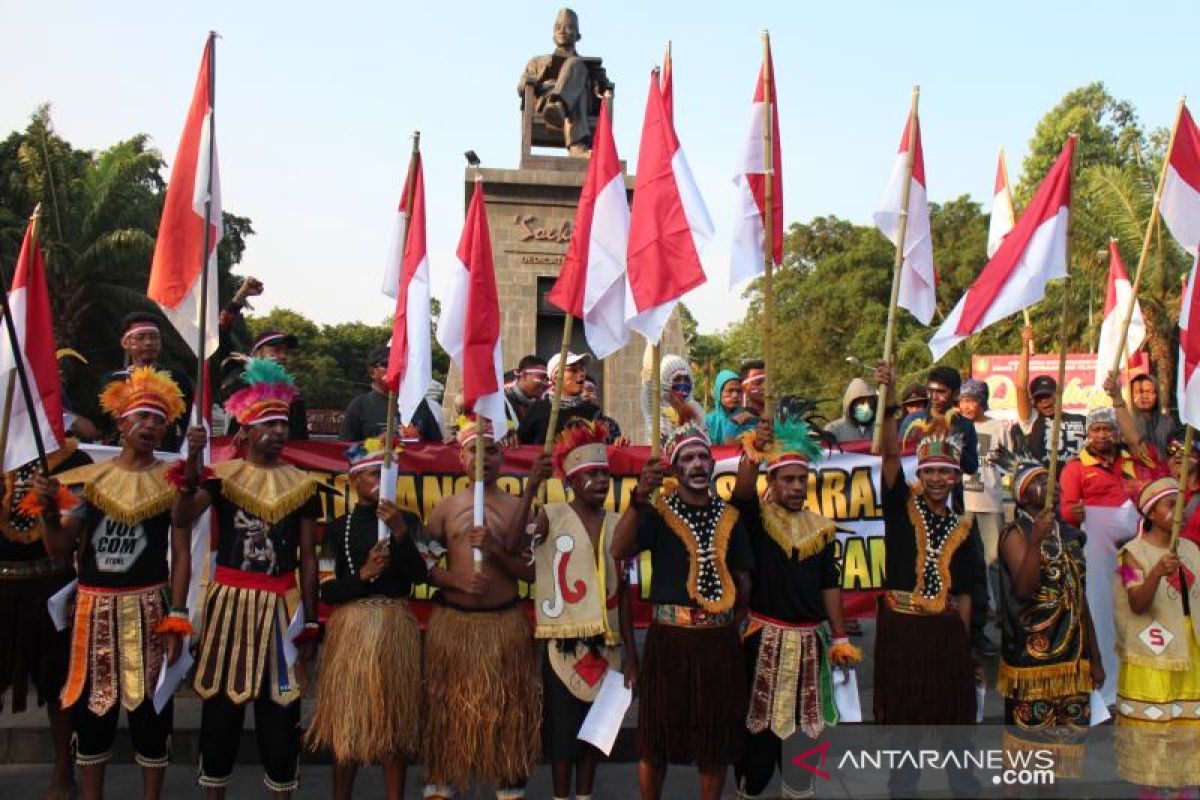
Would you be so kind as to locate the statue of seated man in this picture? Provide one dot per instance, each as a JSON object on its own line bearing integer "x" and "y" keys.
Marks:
{"x": 561, "y": 87}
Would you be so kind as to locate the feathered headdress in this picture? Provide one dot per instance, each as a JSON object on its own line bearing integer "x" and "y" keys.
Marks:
{"x": 938, "y": 445}
{"x": 146, "y": 389}
{"x": 794, "y": 442}
{"x": 580, "y": 445}
{"x": 268, "y": 395}
{"x": 686, "y": 434}
{"x": 369, "y": 453}
{"x": 1021, "y": 466}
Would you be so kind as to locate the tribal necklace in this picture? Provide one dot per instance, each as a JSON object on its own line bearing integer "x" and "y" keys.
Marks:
{"x": 702, "y": 523}
{"x": 938, "y": 530}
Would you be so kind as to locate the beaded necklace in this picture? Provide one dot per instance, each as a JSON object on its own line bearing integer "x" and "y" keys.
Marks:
{"x": 937, "y": 533}
{"x": 702, "y": 522}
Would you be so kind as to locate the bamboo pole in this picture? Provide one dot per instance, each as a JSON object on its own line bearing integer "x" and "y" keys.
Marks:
{"x": 201, "y": 360}
{"x": 1177, "y": 520}
{"x": 6, "y": 420}
{"x": 18, "y": 356}
{"x": 655, "y": 400}
{"x": 556, "y": 397}
{"x": 1056, "y": 428}
{"x": 768, "y": 322}
{"x": 1012, "y": 209}
{"x": 1148, "y": 237}
{"x": 889, "y": 338}
{"x": 387, "y": 486}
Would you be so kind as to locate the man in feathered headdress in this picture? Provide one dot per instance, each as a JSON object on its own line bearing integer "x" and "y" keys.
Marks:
{"x": 266, "y": 514}
{"x": 580, "y": 603}
{"x": 123, "y": 630}
{"x": 796, "y": 631}
{"x": 369, "y": 691}
{"x": 692, "y": 677}
{"x": 483, "y": 699}
{"x": 924, "y": 673}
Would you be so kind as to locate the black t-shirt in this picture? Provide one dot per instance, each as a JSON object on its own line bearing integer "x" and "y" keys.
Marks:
{"x": 366, "y": 416}
{"x": 118, "y": 555}
{"x": 1037, "y": 441}
{"x": 967, "y": 568}
{"x": 785, "y": 588}
{"x": 537, "y": 419}
{"x": 350, "y": 547}
{"x": 17, "y": 484}
{"x": 250, "y": 544}
{"x": 669, "y": 559}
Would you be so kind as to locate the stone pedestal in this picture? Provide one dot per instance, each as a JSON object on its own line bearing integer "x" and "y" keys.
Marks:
{"x": 531, "y": 213}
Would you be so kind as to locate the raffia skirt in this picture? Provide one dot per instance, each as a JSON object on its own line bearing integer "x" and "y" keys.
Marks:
{"x": 1165, "y": 750}
{"x": 924, "y": 674}
{"x": 483, "y": 699}
{"x": 369, "y": 690}
{"x": 693, "y": 696}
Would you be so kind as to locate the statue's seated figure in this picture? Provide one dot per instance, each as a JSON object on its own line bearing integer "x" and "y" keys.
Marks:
{"x": 561, "y": 92}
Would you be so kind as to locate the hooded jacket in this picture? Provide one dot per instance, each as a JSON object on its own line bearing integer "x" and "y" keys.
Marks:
{"x": 1154, "y": 427}
{"x": 847, "y": 429}
{"x": 721, "y": 428}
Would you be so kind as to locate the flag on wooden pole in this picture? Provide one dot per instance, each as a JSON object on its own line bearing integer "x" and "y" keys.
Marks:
{"x": 1180, "y": 203}
{"x": 1004, "y": 213}
{"x": 1116, "y": 307}
{"x": 918, "y": 276}
{"x": 748, "y": 253}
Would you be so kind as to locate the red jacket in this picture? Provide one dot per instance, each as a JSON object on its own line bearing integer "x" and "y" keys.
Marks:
{"x": 1099, "y": 483}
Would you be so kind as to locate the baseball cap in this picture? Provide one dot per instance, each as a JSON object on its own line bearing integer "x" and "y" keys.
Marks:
{"x": 275, "y": 337}
{"x": 1042, "y": 385}
{"x": 573, "y": 359}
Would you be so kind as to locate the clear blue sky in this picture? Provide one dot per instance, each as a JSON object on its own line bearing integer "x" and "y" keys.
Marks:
{"x": 316, "y": 102}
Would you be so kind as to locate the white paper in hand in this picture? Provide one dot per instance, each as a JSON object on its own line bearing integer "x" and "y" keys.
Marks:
{"x": 295, "y": 628}
{"x": 603, "y": 721}
{"x": 1100, "y": 712}
{"x": 387, "y": 491}
{"x": 60, "y": 604}
{"x": 169, "y": 677}
{"x": 845, "y": 695}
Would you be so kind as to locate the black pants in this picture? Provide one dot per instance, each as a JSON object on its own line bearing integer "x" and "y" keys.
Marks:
{"x": 94, "y": 734}
{"x": 276, "y": 728}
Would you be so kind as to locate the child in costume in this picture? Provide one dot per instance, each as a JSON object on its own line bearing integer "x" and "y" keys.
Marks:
{"x": 796, "y": 633}
{"x": 266, "y": 512}
{"x": 123, "y": 629}
{"x": 581, "y": 602}
{"x": 1157, "y": 604}
{"x": 369, "y": 692}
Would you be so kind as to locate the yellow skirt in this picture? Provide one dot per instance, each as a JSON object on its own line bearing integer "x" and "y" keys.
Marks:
{"x": 1158, "y": 720}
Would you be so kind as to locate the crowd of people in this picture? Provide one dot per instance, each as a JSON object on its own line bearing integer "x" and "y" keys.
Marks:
{"x": 747, "y": 623}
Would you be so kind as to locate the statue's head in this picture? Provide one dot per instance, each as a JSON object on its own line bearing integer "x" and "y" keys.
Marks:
{"x": 566, "y": 28}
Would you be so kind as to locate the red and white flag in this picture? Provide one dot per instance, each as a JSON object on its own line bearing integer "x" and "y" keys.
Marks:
{"x": 179, "y": 254}
{"x": 1188, "y": 389}
{"x": 1180, "y": 203}
{"x": 470, "y": 330}
{"x": 29, "y": 302}
{"x": 1116, "y": 306}
{"x": 410, "y": 360}
{"x": 591, "y": 284}
{"x": 668, "y": 225}
{"x": 1004, "y": 214}
{"x": 1016, "y": 277}
{"x": 918, "y": 276}
{"x": 746, "y": 258}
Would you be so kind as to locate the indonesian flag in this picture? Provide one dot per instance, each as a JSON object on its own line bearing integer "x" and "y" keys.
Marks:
{"x": 591, "y": 285}
{"x": 746, "y": 258}
{"x": 918, "y": 277}
{"x": 1004, "y": 215}
{"x": 470, "y": 332}
{"x": 29, "y": 302}
{"x": 410, "y": 360}
{"x": 1032, "y": 255}
{"x": 1180, "y": 203}
{"x": 179, "y": 252}
{"x": 1188, "y": 390}
{"x": 1116, "y": 306}
{"x": 667, "y": 227}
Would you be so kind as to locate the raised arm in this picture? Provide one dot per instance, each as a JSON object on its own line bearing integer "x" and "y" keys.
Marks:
{"x": 1024, "y": 406}
{"x": 745, "y": 489}
{"x": 1024, "y": 559}
{"x": 514, "y": 529}
{"x": 1129, "y": 429}
{"x": 890, "y": 449}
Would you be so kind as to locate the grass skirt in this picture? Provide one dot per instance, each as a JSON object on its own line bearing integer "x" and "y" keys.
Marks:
{"x": 924, "y": 674}
{"x": 692, "y": 707}
{"x": 369, "y": 690}
{"x": 483, "y": 699}
{"x": 1158, "y": 724}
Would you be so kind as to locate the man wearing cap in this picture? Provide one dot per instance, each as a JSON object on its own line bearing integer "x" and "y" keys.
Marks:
{"x": 1035, "y": 412}
{"x": 366, "y": 416}
{"x": 535, "y": 426}
{"x": 693, "y": 674}
{"x": 141, "y": 340}
{"x": 529, "y": 387}
{"x": 275, "y": 346}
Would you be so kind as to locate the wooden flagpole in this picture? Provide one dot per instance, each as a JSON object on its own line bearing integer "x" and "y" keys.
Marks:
{"x": 889, "y": 339}
{"x": 388, "y": 488}
{"x": 556, "y": 396}
{"x": 1151, "y": 224}
{"x": 1177, "y": 521}
{"x": 201, "y": 358}
{"x": 1056, "y": 429}
{"x": 655, "y": 400}
{"x": 768, "y": 323}
{"x": 18, "y": 354}
{"x": 6, "y": 420}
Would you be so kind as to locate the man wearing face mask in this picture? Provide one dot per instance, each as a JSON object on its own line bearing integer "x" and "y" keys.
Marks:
{"x": 858, "y": 413}
{"x": 536, "y": 424}
{"x": 678, "y": 408}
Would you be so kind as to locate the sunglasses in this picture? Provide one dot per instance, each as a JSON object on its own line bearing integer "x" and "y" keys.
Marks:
{"x": 1175, "y": 448}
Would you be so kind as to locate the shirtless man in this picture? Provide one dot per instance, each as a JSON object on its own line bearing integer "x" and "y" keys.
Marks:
{"x": 482, "y": 694}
